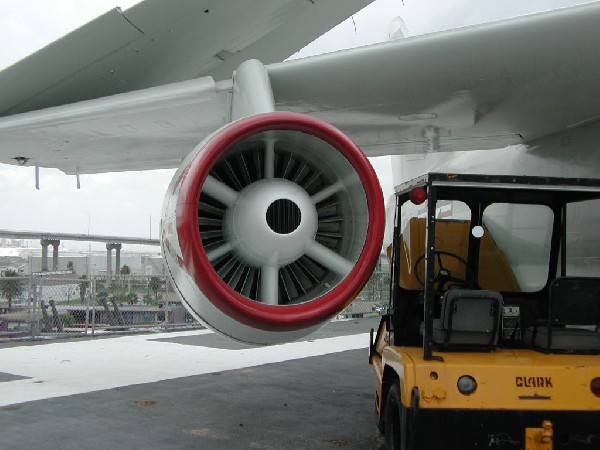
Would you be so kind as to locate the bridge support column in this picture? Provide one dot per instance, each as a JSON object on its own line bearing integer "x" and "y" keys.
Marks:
{"x": 55, "y": 243}
{"x": 117, "y": 259}
{"x": 108, "y": 260}
{"x": 110, "y": 246}
{"x": 44, "y": 255}
{"x": 45, "y": 243}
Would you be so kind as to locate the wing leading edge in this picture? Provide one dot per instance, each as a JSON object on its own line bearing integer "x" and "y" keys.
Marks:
{"x": 481, "y": 87}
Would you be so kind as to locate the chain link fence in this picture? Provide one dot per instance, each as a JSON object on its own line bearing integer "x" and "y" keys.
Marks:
{"x": 374, "y": 299}
{"x": 58, "y": 305}
{"x": 52, "y": 306}
{"x": 16, "y": 313}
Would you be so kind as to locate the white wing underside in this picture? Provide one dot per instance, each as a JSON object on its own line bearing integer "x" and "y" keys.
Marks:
{"x": 481, "y": 87}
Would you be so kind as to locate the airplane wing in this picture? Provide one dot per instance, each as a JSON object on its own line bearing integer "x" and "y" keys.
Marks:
{"x": 158, "y": 42}
{"x": 479, "y": 87}
{"x": 475, "y": 88}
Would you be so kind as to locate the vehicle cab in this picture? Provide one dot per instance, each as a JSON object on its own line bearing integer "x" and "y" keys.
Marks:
{"x": 492, "y": 338}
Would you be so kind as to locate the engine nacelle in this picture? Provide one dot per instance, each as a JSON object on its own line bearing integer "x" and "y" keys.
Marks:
{"x": 272, "y": 226}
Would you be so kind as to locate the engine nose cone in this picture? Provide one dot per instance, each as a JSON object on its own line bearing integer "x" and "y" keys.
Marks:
{"x": 273, "y": 221}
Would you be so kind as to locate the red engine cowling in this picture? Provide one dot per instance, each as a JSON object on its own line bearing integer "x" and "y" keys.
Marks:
{"x": 272, "y": 226}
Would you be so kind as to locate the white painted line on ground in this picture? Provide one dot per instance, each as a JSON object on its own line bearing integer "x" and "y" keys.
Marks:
{"x": 66, "y": 368}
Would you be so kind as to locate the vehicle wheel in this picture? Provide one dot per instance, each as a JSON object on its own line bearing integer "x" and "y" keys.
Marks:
{"x": 381, "y": 426}
{"x": 392, "y": 418}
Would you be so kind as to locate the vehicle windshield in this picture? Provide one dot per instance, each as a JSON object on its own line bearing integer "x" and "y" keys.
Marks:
{"x": 582, "y": 243}
{"x": 513, "y": 241}
{"x": 515, "y": 255}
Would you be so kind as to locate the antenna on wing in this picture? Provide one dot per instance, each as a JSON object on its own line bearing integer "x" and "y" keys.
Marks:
{"x": 397, "y": 29}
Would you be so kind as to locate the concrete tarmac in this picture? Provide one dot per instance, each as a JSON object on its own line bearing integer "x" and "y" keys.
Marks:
{"x": 309, "y": 401}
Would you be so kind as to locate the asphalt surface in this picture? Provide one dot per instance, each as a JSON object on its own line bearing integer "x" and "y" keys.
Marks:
{"x": 321, "y": 402}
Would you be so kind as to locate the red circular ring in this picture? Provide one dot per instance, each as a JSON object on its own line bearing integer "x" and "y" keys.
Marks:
{"x": 247, "y": 311}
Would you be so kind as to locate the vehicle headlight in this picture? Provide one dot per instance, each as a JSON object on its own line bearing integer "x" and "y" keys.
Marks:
{"x": 466, "y": 385}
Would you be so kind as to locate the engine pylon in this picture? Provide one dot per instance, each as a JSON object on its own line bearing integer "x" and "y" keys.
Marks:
{"x": 272, "y": 226}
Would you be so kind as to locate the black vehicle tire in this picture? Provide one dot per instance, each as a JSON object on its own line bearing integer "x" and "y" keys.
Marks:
{"x": 381, "y": 427}
{"x": 393, "y": 425}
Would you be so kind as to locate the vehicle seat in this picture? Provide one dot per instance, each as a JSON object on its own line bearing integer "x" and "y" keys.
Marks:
{"x": 468, "y": 318}
{"x": 574, "y": 317}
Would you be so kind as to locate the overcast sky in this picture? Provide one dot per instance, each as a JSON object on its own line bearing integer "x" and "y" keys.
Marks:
{"x": 129, "y": 204}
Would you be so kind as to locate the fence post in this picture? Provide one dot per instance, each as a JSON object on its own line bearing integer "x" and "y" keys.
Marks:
{"x": 166, "y": 306}
{"x": 86, "y": 296}
{"x": 33, "y": 319}
{"x": 92, "y": 289}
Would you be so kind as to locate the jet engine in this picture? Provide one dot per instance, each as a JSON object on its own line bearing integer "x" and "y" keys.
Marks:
{"x": 272, "y": 226}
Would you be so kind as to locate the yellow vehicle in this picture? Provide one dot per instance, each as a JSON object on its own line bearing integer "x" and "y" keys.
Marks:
{"x": 492, "y": 337}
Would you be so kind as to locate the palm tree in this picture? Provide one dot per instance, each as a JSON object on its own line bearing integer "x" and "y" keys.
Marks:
{"x": 9, "y": 287}
{"x": 83, "y": 285}
{"x": 154, "y": 285}
{"x": 130, "y": 298}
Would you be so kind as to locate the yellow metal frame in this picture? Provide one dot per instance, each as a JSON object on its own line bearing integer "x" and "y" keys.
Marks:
{"x": 506, "y": 379}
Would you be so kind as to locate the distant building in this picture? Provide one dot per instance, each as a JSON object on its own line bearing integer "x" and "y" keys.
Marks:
{"x": 95, "y": 263}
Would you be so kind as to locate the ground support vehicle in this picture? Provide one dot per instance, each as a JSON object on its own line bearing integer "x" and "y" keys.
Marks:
{"x": 492, "y": 338}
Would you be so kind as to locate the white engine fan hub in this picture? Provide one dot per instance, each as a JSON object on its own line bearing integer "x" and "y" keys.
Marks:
{"x": 259, "y": 240}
